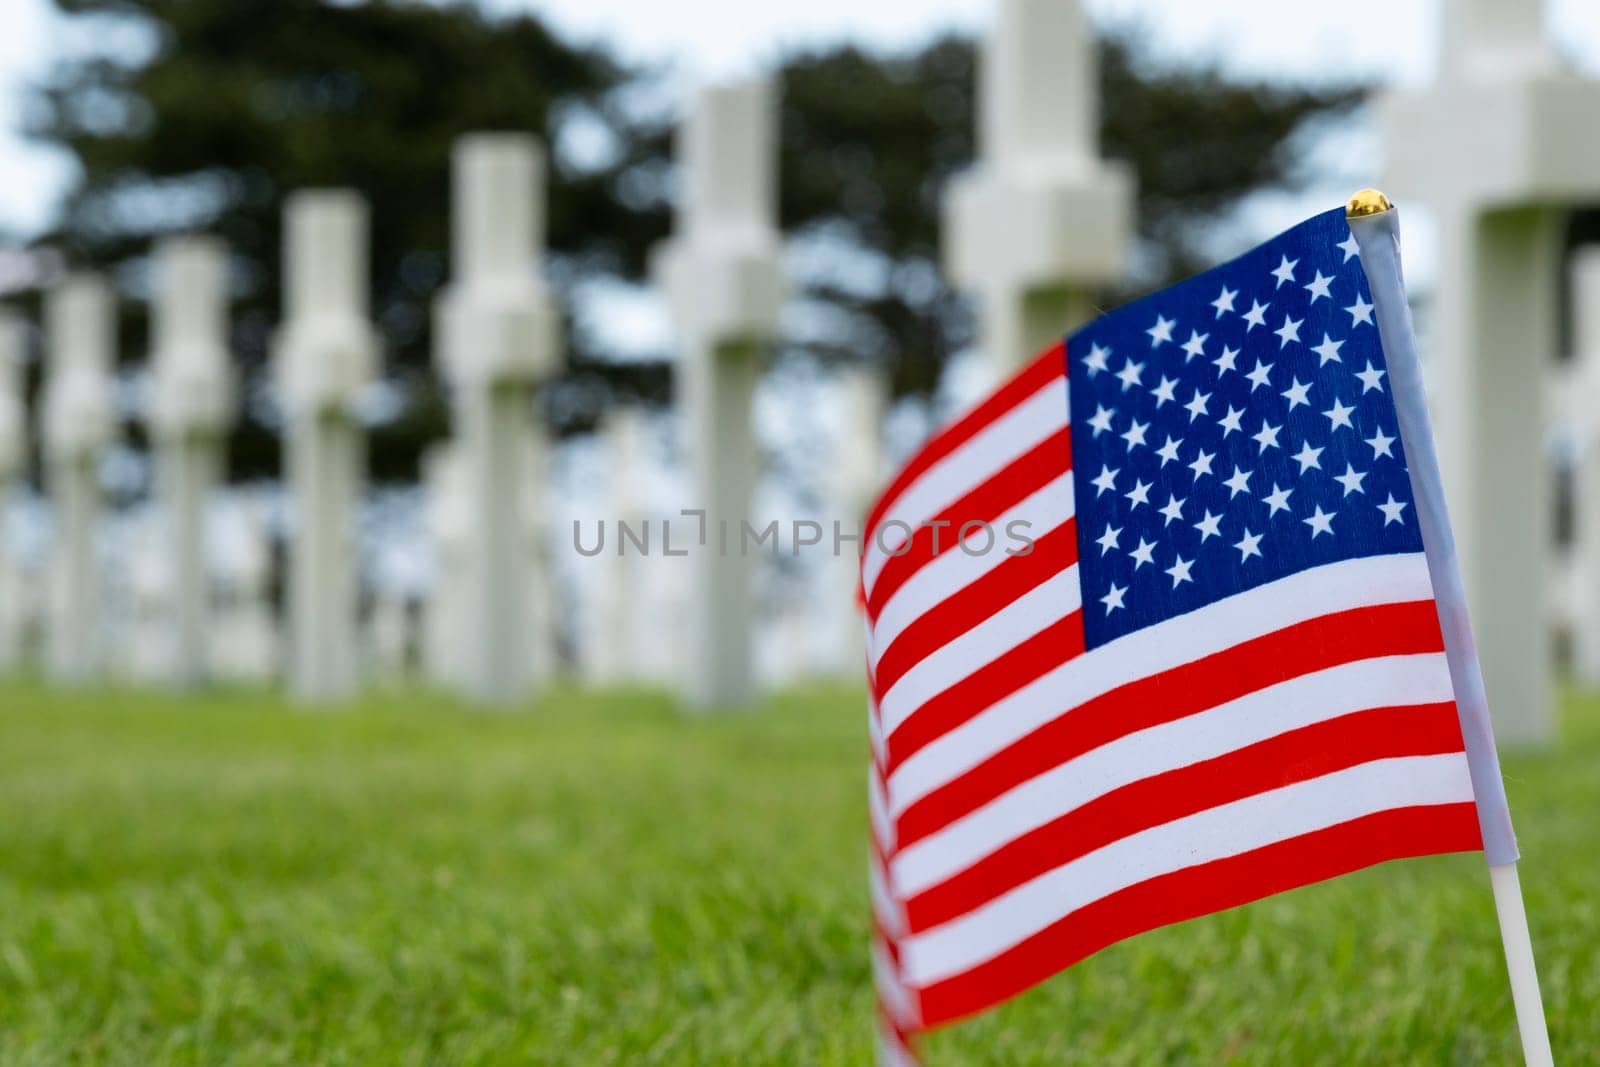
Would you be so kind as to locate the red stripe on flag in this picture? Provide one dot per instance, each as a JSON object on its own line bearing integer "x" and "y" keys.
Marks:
{"x": 1394, "y": 834}
{"x": 1052, "y": 553}
{"x": 1048, "y": 366}
{"x": 891, "y": 947}
{"x": 882, "y": 853}
{"x": 1296, "y": 756}
{"x": 1326, "y": 641}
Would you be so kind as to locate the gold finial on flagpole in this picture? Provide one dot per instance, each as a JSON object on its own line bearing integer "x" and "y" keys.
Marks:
{"x": 1367, "y": 202}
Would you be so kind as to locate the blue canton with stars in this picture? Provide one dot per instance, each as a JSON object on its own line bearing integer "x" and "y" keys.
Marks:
{"x": 1232, "y": 430}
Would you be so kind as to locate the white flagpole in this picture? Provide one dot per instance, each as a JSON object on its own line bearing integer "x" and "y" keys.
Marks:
{"x": 1519, "y": 962}
{"x": 1376, "y": 226}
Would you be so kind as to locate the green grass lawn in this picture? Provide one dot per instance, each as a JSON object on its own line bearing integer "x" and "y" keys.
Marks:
{"x": 604, "y": 880}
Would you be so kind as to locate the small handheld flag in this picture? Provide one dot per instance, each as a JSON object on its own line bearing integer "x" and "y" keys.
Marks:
{"x": 1171, "y": 622}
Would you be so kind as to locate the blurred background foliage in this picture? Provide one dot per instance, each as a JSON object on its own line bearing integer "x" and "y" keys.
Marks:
{"x": 205, "y": 114}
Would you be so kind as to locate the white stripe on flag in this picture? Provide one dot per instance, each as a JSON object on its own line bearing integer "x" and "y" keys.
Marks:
{"x": 1207, "y": 836}
{"x": 1334, "y": 587}
{"x": 874, "y": 726}
{"x": 884, "y": 904}
{"x": 892, "y": 995}
{"x": 976, "y": 461}
{"x": 878, "y": 812}
{"x": 1266, "y": 713}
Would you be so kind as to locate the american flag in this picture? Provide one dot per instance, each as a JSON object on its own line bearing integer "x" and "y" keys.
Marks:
{"x": 1151, "y": 634}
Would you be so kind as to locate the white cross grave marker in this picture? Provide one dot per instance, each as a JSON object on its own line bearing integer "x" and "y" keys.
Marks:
{"x": 723, "y": 280}
{"x": 246, "y": 640}
{"x": 13, "y": 463}
{"x": 1581, "y": 386}
{"x": 79, "y": 423}
{"x": 854, "y": 476}
{"x": 189, "y": 420}
{"x": 326, "y": 351}
{"x": 1042, "y": 220}
{"x": 443, "y": 629}
{"x": 499, "y": 336}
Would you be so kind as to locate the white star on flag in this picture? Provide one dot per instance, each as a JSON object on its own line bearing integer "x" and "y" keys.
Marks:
{"x": 1360, "y": 312}
{"x": 1256, "y": 316}
{"x": 1267, "y": 436}
{"x": 1134, "y": 434}
{"x": 1338, "y": 415}
{"x": 1289, "y": 331}
{"x": 1096, "y": 359}
{"x": 1129, "y": 374}
{"x": 1320, "y": 522}
{"x": 1277, "y": 500}
{"x": 1284, "y": 271}
{"x": 1161, "y": 331}
{"x": 1307, "y": 457}
{"x": 1238, "y": 482}
{"x": 1258, "y": 375}
{"x": 1106, "y": 479}
{"x": 1328, "y": 351}
{"x": 1163, "y": 391}
{"x": 1108, "y": 540}
{"x": 1350, "y": 479}
{"x": 1297, "y": 393}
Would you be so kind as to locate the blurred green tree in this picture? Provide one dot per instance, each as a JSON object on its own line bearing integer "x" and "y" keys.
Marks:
{"x": 205, "y": 113}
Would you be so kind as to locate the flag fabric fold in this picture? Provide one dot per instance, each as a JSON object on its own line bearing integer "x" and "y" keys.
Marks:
{"x": 1152, "y": 633}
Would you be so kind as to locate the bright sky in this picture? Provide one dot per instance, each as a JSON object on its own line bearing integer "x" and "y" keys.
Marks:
{"x": 1392, "y": 39}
